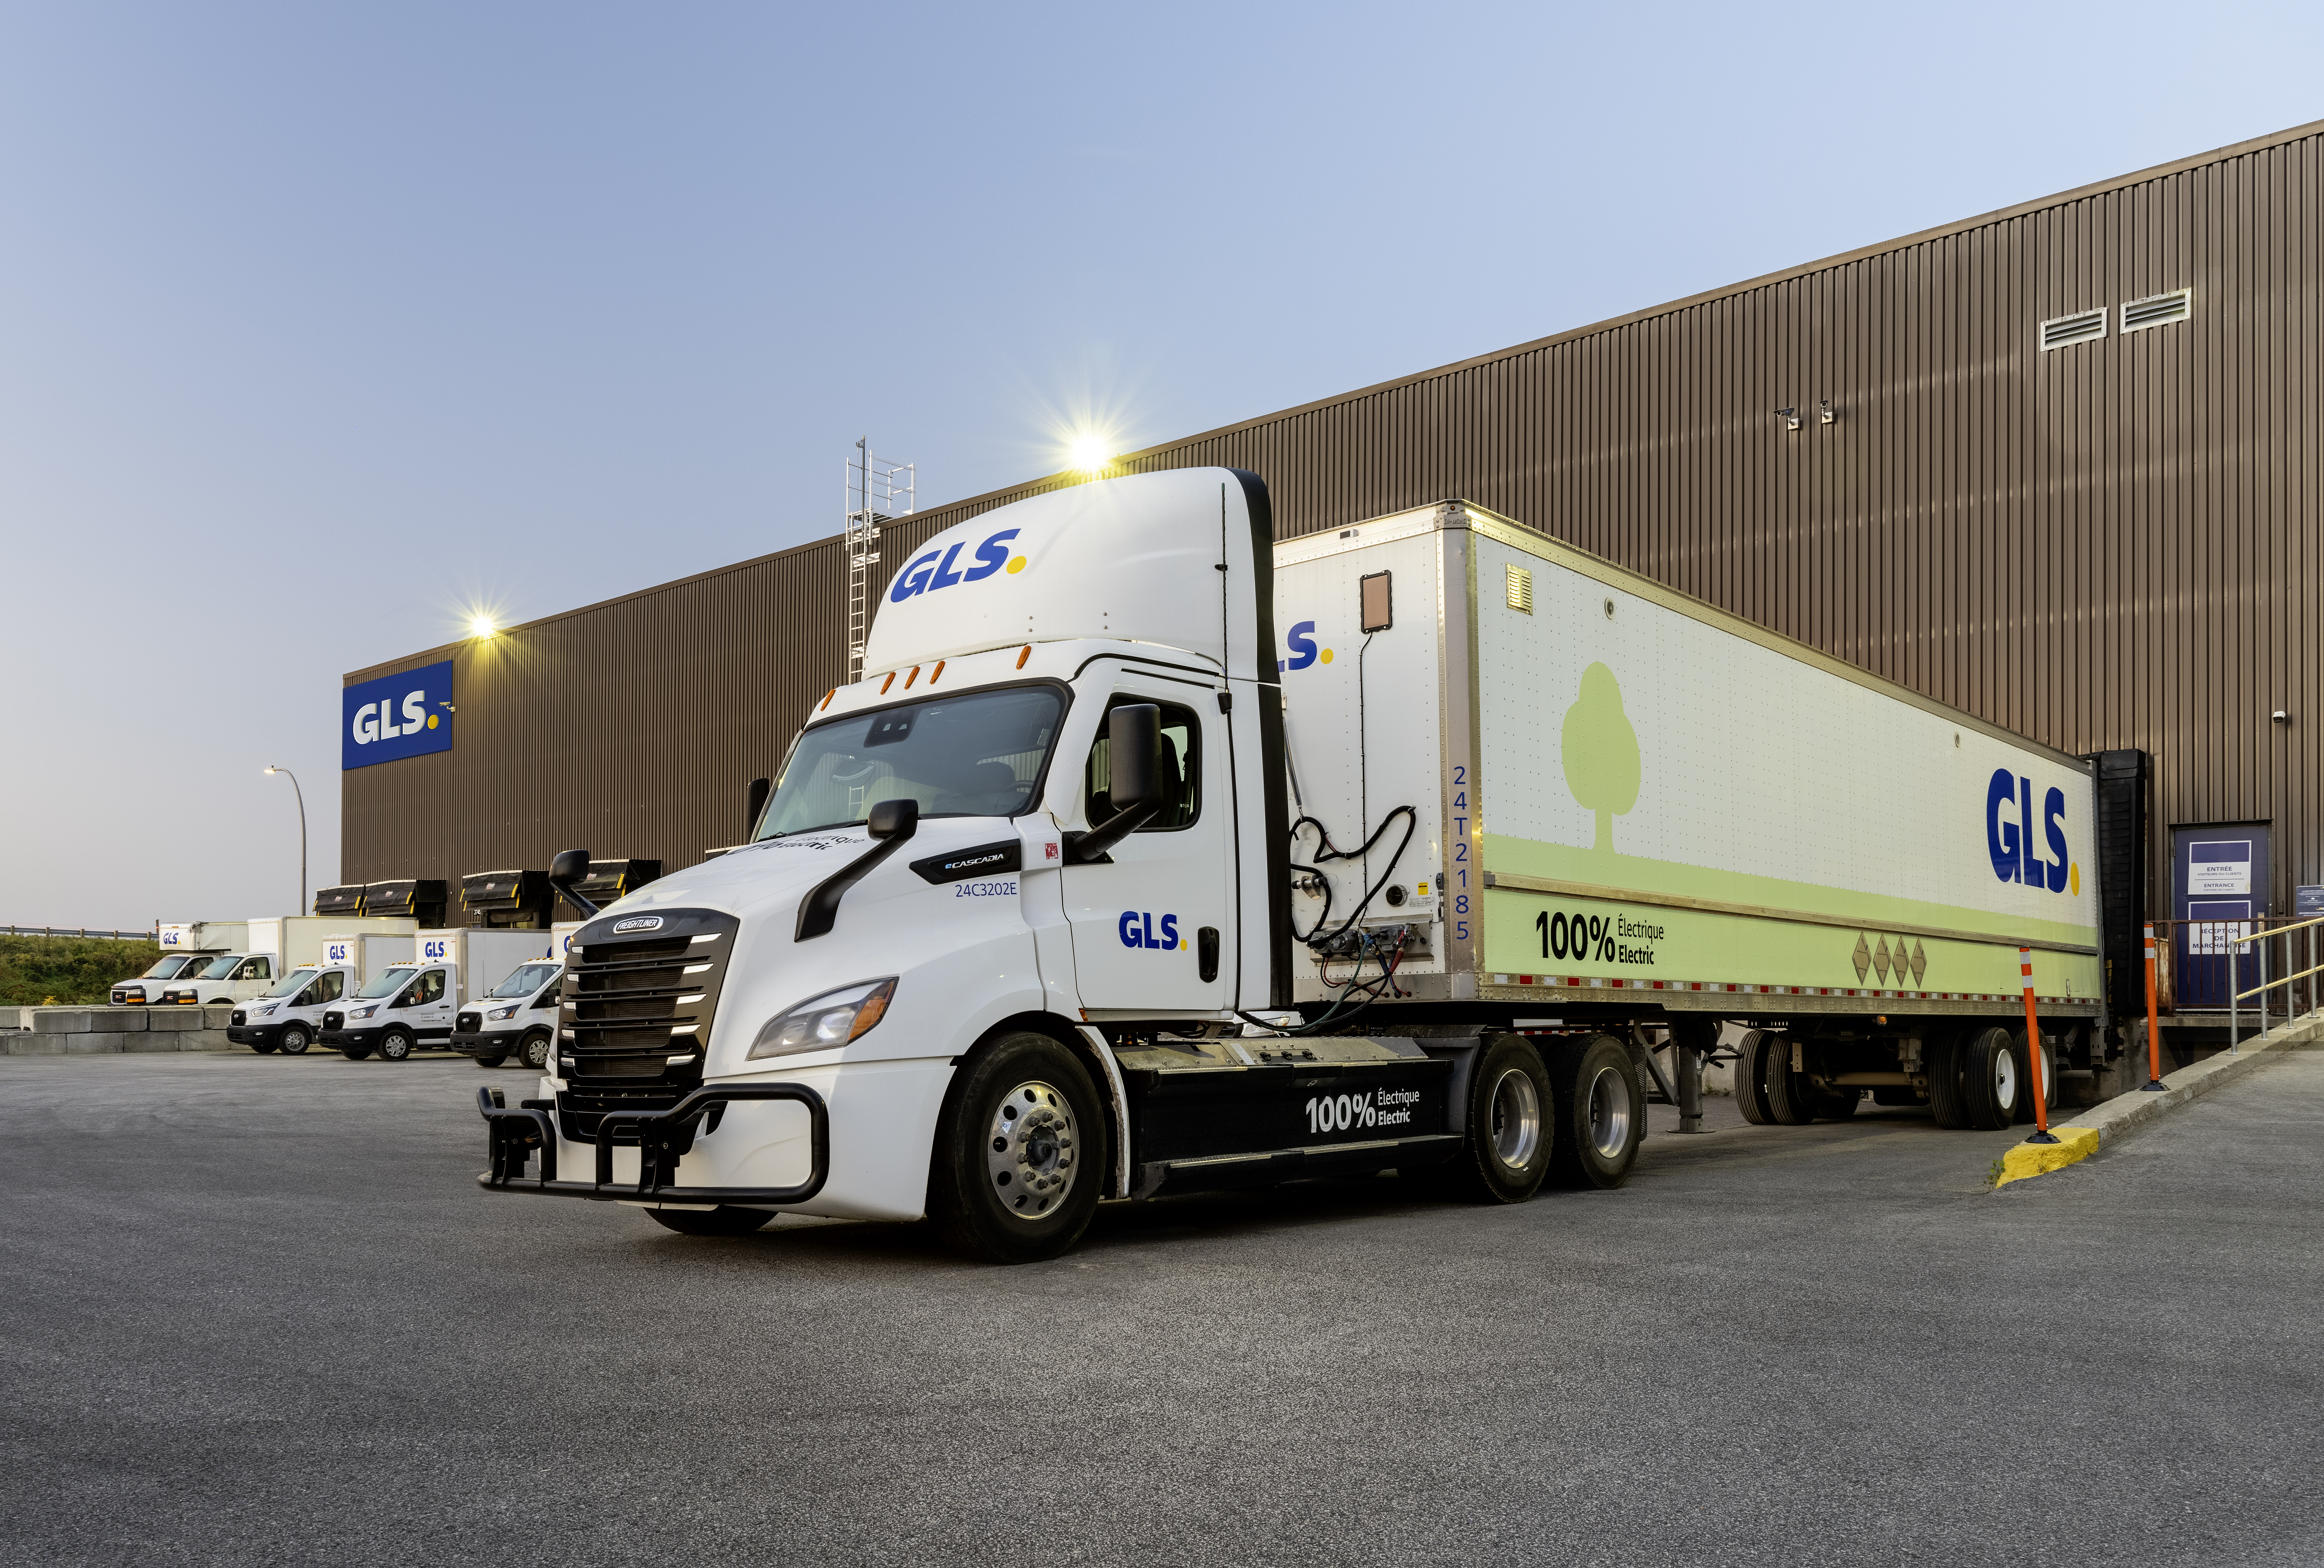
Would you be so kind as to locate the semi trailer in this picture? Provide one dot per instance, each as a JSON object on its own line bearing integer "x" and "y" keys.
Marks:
{"x": 1152, "y": 855}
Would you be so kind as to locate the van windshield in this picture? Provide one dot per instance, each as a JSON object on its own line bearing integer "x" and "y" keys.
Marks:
{"x": 220, "y": 968}
{"x": 170, "y": 966}
{"x": 528, "y": 979}
{"x": 295, "y": 982}
{"x": 980, "y": 754}
{"x": 388, "y": 982}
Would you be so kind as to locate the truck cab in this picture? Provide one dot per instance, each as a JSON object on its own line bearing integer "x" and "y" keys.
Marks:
{"x": 406, "y": 1008}
{"x": 144, "y": 989}
{"x": 517, "y": 1017}
{"x": 229, "y": 977}
{"x": 290, "y": 1017}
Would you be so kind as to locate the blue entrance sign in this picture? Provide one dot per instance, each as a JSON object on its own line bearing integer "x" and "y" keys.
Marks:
{"x": 397, "y": 715}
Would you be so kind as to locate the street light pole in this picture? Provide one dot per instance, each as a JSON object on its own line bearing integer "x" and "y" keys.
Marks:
{"x": 302, "y": 797}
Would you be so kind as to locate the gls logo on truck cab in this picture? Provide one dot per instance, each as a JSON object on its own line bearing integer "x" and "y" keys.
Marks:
{"x": 927, "y": 574}
{"x": 2009, "y": 840}
{"x": 1137, "y": 929}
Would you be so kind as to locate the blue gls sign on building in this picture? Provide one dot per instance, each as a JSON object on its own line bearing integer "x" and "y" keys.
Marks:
{"x": 396, "y": 715}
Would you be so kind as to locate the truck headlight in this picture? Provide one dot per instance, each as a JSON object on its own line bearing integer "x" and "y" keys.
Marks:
{"x": 819, "y": 1023}
{"x": 269, "y": 1009}
{"x": 363, "y": 1012}
{"x": 501, "y": 1012}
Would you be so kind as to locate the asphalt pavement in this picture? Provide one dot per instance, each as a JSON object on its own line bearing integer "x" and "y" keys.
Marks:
{"x": 254, "y": 1310}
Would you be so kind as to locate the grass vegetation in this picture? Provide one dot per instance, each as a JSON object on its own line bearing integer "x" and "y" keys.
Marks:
{"x": 67, "y": 971}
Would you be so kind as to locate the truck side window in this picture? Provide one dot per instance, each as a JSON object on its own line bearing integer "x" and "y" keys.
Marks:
{"x": 1181, "y": 770}
{"x": 429, "y": 987}
{"x": 330, "y": 987}
{"x": 254, "y": 968}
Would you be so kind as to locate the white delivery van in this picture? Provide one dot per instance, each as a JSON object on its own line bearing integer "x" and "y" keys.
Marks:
{"x": 1056, "y": 905}
{"x": 229, "y": 977}
{"x": 142, "y": 990}
{"x": 405, "y": 1008}
{"x": 517, "y": 1017}
{"x": 290, "y": 1017}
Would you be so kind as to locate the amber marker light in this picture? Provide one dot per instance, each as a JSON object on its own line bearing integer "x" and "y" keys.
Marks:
{"x": 1026, "y": 654}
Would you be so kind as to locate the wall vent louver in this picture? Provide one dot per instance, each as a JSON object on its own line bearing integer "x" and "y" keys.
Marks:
{"x": 2081, "y": 326}
{"x": 2158, "y": 309}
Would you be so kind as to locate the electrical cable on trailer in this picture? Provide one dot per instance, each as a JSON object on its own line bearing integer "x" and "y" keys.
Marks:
{"x": 1325, "y": 851}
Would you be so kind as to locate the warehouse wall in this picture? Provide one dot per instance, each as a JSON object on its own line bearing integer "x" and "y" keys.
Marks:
{"x": 2109, "y": 545}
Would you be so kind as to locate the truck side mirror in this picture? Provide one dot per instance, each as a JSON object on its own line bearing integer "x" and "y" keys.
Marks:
{"x": 568, "y": 868}
{"x": 760, "y": 790}
{"x": 1133, "y": 757}
{"x": 894, "y": 819}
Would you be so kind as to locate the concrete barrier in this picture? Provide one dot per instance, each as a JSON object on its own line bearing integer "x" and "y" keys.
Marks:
{"x": 2103, "y": 1125}
{"x": 82, "y": 1031}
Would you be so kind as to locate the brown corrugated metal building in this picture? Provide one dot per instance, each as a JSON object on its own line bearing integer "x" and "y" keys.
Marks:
{"x": 2107, "y": 544}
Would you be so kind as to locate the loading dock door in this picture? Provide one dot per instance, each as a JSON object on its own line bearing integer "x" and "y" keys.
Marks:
{"x": 2218, "y": 882}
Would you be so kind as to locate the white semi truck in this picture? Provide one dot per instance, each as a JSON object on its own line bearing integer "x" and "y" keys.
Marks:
{"x": 1153, "y": 855}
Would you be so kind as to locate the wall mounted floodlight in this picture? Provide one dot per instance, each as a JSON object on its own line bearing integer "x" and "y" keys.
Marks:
{"x": 2280, "y": 716}
{"x": 1791, "y": 418}
{"x": 1826, "y": 414}
{"x": 482, "y": 626}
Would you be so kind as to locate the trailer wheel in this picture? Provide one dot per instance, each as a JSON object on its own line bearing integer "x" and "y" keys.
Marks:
{"x": 394, "y": 1046}
{"x": 294, "y": 1040}
{"x": 726, "y": 1220}
{"x": 2025, "y": 1075}
{"x": 1991, "y": 1082}
{"x": 536, "y": 1051}
{"x": 1791, "y": 1099}
{"x": 1506, "y": 1153}
{"x": 1941, "y": 1059}
{"x": 1601, "y": 1111}
{"x": 1751, "y": 1078}
{"x": 1020, "y": 1155}
{"x": 490, "y": 1061}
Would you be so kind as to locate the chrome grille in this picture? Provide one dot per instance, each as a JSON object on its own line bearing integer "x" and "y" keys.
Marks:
{"x": 630, "y": 1004}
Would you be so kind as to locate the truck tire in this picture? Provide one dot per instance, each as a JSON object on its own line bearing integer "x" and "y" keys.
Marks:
{"x": 536, "y": 1051}
{"x": 1601, "y": 1111}
{"x": 2025, "y": 1076}
{"x": 1019, "y": 1155}
{"x": 1991, "y": 1083}
{"x": 354, "y": 1053}
{"x": 295, "y": 1039}
{"x": 394, "y": 1046}
{"x": 1791, "y": 1100}
{"x": 1751, "y": 1078}
{"x": 261, "y": 1047}
{"x": 726, "y": 1220}
{"x": 490, "y": 1061}
{"x": 1506, "y": 1156}
{"x": 1941, "y": 1059}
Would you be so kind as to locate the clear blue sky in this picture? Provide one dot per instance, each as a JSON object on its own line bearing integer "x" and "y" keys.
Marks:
{"x": 321, "y": 324}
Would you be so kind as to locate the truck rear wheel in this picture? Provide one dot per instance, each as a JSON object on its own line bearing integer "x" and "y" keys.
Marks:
{"x": 1601, "y": 1111}
{"x": 536, "y": 1052}
{"x": 1791, "y": 1099}
{"x": 394, "y": 1046}
{"x": 294, "y": 1040}
{"x": 1751, "y": 1078}
{"x": 1941, "y": 1060}
{"x": 726, "y": 1220}
{"x": 1507, "y": 1152}
{"x": 1019, "y": 1154}
{"x": 1991, "y": 1083}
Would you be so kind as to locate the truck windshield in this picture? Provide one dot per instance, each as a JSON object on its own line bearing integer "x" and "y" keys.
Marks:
{"x": 220, "y": 968}
{"x": 979, "y": 754}
{"x": 530, "y": 978}
{"x": 295, "y": 982}
{"x": 170, "y": 966}
{"x": 388, "y": 982}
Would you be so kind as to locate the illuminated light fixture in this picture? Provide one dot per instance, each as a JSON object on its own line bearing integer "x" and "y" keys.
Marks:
{"x": 482, "y": 626}
{"x": 1088, "y": 453}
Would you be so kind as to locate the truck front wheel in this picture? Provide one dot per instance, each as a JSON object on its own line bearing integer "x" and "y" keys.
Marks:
{"x": 1020, "y": 1153}
{"x": 294, "y": 1040}
{"x": 394, "y": 1046}
{"x": 1601, "y": 1111}
{"x": 1507, "y": 1150}
{"x": 536, "y": 1052}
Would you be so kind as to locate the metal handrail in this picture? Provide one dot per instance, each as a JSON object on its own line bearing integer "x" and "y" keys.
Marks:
{"x": 2257, "y": 940}
{"x": 2261, "y": 936}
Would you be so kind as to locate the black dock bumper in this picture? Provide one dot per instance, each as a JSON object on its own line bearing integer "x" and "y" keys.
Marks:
{"x": 516, "y": 1136}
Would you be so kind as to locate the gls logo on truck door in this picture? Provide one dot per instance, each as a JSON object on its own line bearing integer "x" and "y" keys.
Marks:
{"x": 1137, "y": 929}
{"x": 929, "y": 572}
{"x": 2009, "y": 835}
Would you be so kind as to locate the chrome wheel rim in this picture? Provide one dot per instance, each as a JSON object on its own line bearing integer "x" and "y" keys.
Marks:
{"x": 1031, "y": 1151}
{"x": 1516, "y": 1119}
{"x": 1609, "y": 1112}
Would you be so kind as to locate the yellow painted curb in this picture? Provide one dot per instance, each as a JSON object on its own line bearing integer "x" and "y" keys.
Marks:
{"x": 2032, "y": 1160}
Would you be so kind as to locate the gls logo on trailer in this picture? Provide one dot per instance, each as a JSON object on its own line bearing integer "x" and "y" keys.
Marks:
{"x": 2009, "y": 835}
{"x": 337, "y": 953}
{"x": 1137, "y": 929}
{"x": 1302, "y": 640}
{"x": 436, "y": 947}
{"x": 396, "y": 717}
{"x": 927, "y": 574}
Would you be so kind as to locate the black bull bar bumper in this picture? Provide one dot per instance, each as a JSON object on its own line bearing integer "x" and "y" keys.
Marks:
{"x": 516, "y": 1135}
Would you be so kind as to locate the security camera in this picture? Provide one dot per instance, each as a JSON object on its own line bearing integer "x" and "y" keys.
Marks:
{"x": 2281, "y": 718}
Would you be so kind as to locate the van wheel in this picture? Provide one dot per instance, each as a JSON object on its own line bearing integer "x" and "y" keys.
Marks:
{"x": 1020, "y": 1152}
{"x": 261, "y": 1048}
{"x": 394, "y": 1046}
{"x": 1750, "y": 1078}
{"x": 354, "y": 1053}
{"x": 1991, "y": 1083}
{"x": 726, "y": 1220}
{"x": 490, "y": 1061}
{"x": 1941, "y": 1060}
{"x": 536, "y": 1052}
{"x": 1601, "y": 1111}
{"x": 1791, "y": 1099}
{"x": 294, "y": 1040}
{"x": 1511, "y": 1111}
